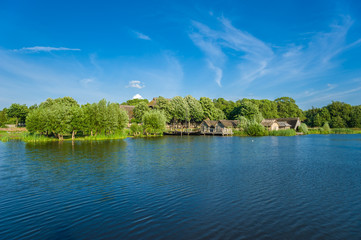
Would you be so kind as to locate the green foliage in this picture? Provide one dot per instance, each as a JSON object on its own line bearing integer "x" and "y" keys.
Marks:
{"x": 255, "y": 129}
{"x": 134, "y": 102}
{"x": 154, "y": 122}
{"x": 225, "y": 106}
{"x": 248, "y": 110}
{"x": 195, "y": 109}
{"x": 340, "y": 114}
{"x": 180, "y": 109}
{"x": 136, "y": 129}
{"x": 209, "y": 109}
{"x": 287, "y": 107}
{"x": 303, "y": 128}
{"x": 325, "y": 129}
{"x": 64, "y": 116}
{"x": 164, "y": 105}
{"x": 3, "y": 118}
{"x": 284, "y": 132}
{"x": 243, "y": 122}
{"x": 18, "y": 111}
{"x": 355, "y": 117}
{"x": 140, "y": 109}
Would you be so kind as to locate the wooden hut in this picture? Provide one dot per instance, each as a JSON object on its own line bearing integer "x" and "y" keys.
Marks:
{"x": 221, "y": 127}
{"x": 270, "y": 124}
{"x": 129, "y": 109}
{"x": 284, "y": 125}
{"x": 293, "y": 122}
{"x": 208, "y": 126}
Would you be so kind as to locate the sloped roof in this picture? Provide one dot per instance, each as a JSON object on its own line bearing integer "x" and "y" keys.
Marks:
{"x": 284, "y": 124}
{"x": 229, "y": 123}
{"x": 210, "y": 123}
{"x": 129, "y": 109}
{"x": 293, "y": 122}
{"x": 268, "y": 122}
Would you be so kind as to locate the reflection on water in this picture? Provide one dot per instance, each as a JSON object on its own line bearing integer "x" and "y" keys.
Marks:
{"x": 183, "y": 188}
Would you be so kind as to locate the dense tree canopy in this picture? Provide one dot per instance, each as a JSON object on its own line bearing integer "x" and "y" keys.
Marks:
{"x": 134, "y": 102}
{"x": 64, "y": 116}
{"x": 18, "y": 111}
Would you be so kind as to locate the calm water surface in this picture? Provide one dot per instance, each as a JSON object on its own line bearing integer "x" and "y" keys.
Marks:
{"x": 305, "y": 187}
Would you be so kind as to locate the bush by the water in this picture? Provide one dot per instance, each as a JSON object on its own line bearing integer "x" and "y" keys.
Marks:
{"x": 255, "y": 129}
{"x": 303, "y": 128}
{"x": 285, "y": 132}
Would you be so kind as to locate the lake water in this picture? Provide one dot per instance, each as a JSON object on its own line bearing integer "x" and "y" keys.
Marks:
{"x": 303, "y": 187}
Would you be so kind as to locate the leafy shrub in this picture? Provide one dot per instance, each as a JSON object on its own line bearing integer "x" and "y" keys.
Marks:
{"x": 303, "y": 128}
{"x": 255, "y": 129}
{"x": 285, "y": 132}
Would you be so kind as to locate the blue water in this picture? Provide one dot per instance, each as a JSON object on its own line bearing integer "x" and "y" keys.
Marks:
{"x": 303, "y": 187}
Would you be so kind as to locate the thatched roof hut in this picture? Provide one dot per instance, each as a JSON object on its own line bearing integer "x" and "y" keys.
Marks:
{"x": 129, "y": 109}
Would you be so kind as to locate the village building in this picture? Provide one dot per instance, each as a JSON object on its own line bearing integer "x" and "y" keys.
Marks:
{"x": 221, "y": 127}
{"x": 129, "y": 109}
{"x": 283, "y": 123}
{"x": 270, "y": 124}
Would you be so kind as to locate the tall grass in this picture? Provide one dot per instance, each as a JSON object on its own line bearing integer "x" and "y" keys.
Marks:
{"x": 285, "y": 132}
{"x": 28, "y": 137}
{"x": 120, "y": 135}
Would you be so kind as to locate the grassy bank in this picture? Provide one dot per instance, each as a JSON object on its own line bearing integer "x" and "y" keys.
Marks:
{"x": 334, "y": 131}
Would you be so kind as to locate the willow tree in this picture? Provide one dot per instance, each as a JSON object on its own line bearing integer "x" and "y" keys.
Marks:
{"x": 195, "y": 109}
{"x": 180, "y": 110}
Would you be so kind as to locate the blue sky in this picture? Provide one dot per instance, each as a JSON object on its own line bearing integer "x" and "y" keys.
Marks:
{"x": 89, "y": 50}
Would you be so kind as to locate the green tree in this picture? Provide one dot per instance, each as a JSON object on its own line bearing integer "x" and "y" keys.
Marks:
{"x": 326, "y": 128}
{"x": 225, "y": 106}
{"x": 154, "y": 122}
{"x": 180, "y": 110}
{"x": 134, "y": 102}
{"x": 287, "y": 107}
{"x": 210, "y": 111}
{"x": 139, "y": 111}
{"x": 18, "y": 111}
{"x": 3, "y": 117}
{"x": 356, "y": 117}
{"x": 303, "y": 128}
{"x": 195, "y": 109}
{"x": 248, "y": 110}
{"x": 164, "y": 105}
{"x": 340, "y": 114}
{"x": 255, "y": 129}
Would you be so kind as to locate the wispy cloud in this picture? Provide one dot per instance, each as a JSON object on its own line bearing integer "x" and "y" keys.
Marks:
{"x": 218, "y": 73}
{"x": 136, "y": 84}
{"x": 142, "y": 36}
{"x": 261, "y": 65}
{"x": 137, "y": 96}
{"x": 44, "y": 49}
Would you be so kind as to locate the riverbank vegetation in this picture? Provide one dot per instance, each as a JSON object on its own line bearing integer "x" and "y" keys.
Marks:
{"x": 64, "y": 118}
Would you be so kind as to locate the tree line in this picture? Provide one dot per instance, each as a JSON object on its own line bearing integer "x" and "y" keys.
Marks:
{"x": 65, "y": 116}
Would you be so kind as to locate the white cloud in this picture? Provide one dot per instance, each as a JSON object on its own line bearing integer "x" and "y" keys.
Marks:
{"x": 256, "y": 60}
{"x": 136, "y": 84}
{"x": 45, "y": 49}
{"x": 137, "y": 96}
{"x": 86, "y": 81}
{"x": 142, "y": 36}
{"x": 218, "y": 73}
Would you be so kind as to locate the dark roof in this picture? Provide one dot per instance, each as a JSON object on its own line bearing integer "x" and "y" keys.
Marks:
{"x": 154, "y": 102}
{"x": 293, "y": 122}
{"x": 284, "y": 124}
{"x": 268, "y": 122}
{"x": 129, "y": 109}
{"x": 229, "y": 123}
{"x": 210, "y": 123}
